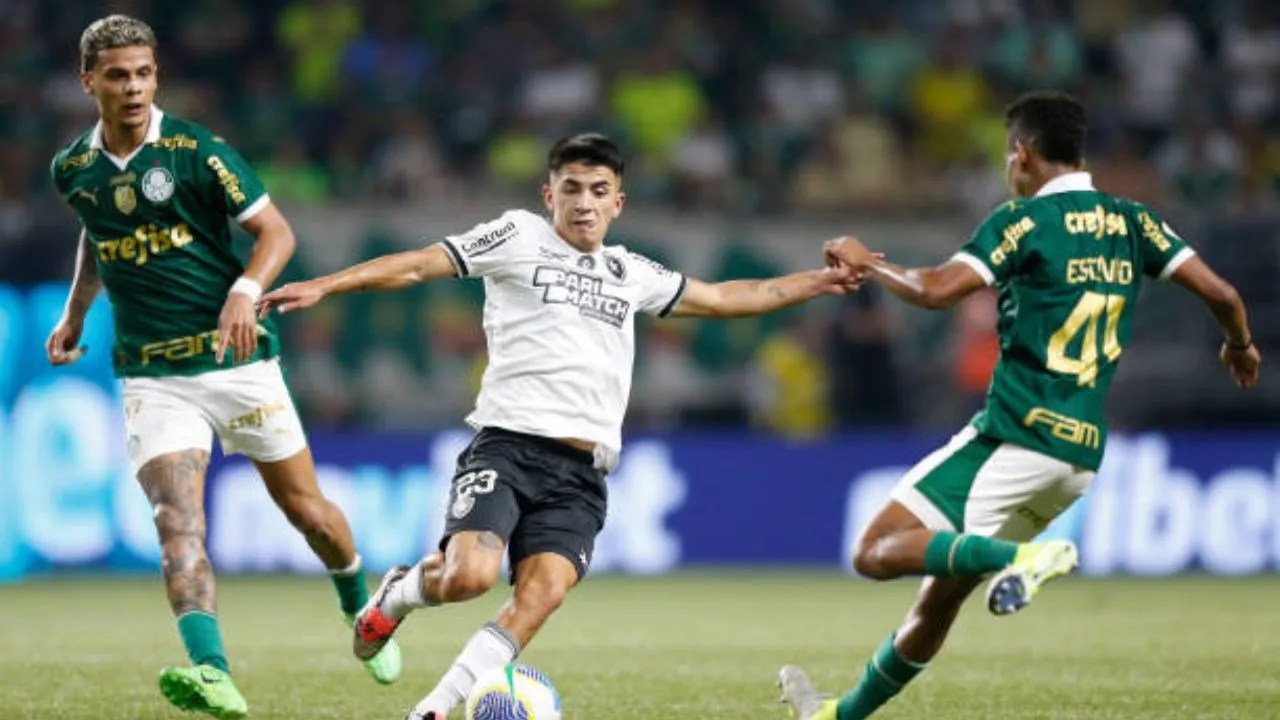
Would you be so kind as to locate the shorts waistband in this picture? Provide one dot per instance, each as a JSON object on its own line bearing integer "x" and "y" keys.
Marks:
{"x": 546, "y": 443}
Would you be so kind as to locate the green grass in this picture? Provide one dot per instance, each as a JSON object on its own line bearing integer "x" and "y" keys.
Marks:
{"x": 679, "y": 648}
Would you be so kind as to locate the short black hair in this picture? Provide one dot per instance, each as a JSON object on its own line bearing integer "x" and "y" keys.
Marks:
{"x": 1051, "y": 122}
{"x": 588, "y": 149}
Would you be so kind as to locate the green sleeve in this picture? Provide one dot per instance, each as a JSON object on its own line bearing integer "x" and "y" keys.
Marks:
{"x": 238, "y": 186}
{"x": 56, "y": 174}
{"x": 1163, "y": 251}
{"x": 997, "y": 246}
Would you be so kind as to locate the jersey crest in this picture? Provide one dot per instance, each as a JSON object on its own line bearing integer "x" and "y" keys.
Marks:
{"x": 157, "y": 185}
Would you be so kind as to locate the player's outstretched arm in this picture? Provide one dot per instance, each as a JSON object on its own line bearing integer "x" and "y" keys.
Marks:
{"x": 933, "y": 288}
{"x": 936, "y": 288}
{"x": 61, "y": 347}
{"x": 744, "y": 298}
{"x": 389, "y": 272}
{"x": 1238, "y": 354}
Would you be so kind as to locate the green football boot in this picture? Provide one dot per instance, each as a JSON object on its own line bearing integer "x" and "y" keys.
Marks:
{"x": 205, "y": 689}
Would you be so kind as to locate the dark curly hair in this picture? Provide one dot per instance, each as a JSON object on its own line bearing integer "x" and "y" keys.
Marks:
{"x": 1053, "y": 123}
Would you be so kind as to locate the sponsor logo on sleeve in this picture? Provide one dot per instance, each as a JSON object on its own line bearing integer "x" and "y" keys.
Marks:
{"x": 489, "y": 241}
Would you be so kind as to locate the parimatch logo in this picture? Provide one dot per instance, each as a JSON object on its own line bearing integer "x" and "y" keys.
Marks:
{"x": 586, "y": 292}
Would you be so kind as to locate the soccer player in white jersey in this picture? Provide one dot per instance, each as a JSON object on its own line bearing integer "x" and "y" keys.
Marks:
{"x": 558, "y": 317}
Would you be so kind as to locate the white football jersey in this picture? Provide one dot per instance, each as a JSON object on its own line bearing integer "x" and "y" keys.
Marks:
{"x": 560, "y": 328}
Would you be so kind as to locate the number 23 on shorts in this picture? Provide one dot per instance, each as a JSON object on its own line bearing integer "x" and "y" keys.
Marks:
{"x": 469, "y": 485}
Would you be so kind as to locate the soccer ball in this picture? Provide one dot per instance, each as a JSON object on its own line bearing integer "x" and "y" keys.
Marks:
{"x": 513, "y": 692}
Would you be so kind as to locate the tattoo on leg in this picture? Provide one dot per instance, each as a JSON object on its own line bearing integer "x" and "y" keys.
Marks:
{"x": 174, "y": 484}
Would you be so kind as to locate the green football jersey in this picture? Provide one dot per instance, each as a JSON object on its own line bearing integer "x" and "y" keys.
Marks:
{"x": 158, "y": 224}
{"x": 1068, "y": 265}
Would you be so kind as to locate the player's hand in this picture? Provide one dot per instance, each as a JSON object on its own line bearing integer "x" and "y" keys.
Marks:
{"x": 237, "y": 328}
{"x": 836, "y": 281}
{"x": 294, "y": 296}
{"x": 63, "y": 347}
{"x": 848, "y": 252}
{"x": 1242, "y": 364}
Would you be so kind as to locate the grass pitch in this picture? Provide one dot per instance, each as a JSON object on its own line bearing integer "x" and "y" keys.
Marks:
{"x": 685, "y": 647}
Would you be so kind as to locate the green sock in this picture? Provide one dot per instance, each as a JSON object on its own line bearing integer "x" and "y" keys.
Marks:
{"x": 885, "y": 675}
{"x": 353, "y": 593}
{"x": 950, "y": 554}
{"x": 203, "y": 639}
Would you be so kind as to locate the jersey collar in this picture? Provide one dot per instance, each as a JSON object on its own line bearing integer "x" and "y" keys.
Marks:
{"x": 153, "y": 134}
{"x": 1071, "y": 182}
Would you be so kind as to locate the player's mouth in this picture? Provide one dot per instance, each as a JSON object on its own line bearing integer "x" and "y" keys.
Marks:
{"x": 584, "y": 224}
{"x": 133, "y": 109}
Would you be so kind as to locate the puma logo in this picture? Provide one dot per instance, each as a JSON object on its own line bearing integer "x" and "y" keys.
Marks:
{"x": 91, "y": 195}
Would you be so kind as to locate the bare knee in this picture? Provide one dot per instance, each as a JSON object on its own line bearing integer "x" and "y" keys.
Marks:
{"x": 174, "y": 484}
{"x": 183, "y": 559}
{"x": 869, "y": 559}
{"x": 464, "y": 581}
{"x": 175, "y": 520}
{"x": 181, "y": 530}
{"x": 886, "y": 549}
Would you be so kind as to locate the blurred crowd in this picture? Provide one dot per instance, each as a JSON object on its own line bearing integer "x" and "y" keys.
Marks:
{"x": 736, "y": 108}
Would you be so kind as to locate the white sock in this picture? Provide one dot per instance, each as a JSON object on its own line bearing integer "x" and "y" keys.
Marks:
{"x": 491, "y": 647}
{"x": 405, "y": 596}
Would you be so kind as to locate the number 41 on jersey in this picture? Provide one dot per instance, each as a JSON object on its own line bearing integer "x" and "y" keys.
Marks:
{"x": 1086, "y": 317}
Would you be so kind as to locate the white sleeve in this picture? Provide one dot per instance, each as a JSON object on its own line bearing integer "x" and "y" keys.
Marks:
{"x": 660, "y": 287}
{"x": 488, "y": 247}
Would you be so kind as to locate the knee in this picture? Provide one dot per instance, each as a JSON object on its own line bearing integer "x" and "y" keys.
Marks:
{"x": 869, "y": 561}
{"x": 465, "y": 581}
{"x": 181, "y": 539}
{"x": 174, "y": 523}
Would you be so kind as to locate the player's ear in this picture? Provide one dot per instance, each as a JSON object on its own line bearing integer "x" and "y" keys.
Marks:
{"x": 1023, "y": 151}
{"x": 618, "y": 202}
{"x": 546, "y": 197}
{"x": 86, "y": 81}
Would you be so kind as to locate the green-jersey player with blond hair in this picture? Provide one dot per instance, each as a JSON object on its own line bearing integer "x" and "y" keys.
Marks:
{"x": 155, "y": 195}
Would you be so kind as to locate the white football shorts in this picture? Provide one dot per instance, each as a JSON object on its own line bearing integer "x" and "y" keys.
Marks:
{"x": 979, "y": 485}
{"x": 247, "y": 407}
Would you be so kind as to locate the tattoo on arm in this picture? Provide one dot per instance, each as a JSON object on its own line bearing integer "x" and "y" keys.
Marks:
{"x": 174, "y": 483}
{"x": 767, "y": 286}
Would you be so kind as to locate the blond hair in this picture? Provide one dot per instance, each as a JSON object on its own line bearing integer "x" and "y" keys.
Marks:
{"x": 113, "y": 31}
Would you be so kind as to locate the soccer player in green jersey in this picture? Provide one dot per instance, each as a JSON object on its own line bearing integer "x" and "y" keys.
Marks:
{"x": 154, "y": 193}
{"x": 1067, "y": 261}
